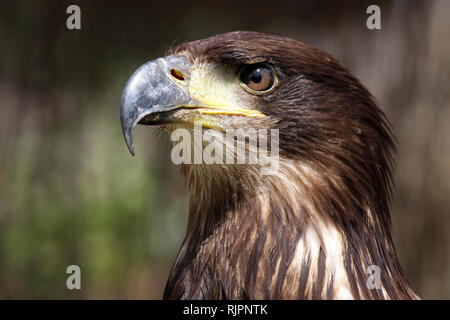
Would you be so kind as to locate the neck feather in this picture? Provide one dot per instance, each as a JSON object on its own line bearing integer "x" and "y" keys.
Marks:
{"x": 295, "y": 235}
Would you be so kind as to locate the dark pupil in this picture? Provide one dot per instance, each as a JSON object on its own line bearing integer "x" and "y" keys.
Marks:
{"x": 256, "y": 76}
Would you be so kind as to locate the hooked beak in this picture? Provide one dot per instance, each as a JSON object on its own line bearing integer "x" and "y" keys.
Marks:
{"x": 152, "y": 90}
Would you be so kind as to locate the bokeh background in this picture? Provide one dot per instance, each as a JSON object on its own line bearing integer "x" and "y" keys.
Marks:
{"x": 70, "y": 193}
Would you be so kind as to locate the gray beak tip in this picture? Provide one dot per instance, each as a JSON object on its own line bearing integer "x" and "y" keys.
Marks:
{"x": 130, "y": 148}
{"x": 128, "y": 134}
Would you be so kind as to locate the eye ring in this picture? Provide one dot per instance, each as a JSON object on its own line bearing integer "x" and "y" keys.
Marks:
{"x": 258, "y": 78}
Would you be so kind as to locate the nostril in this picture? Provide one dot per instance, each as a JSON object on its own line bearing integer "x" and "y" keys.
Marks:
{"x": 177, "y": 74}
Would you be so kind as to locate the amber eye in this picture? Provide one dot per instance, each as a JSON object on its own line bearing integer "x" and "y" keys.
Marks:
{"x": 258, "y": 77}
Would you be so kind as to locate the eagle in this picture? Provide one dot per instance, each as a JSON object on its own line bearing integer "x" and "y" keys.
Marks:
{"x": 319, "y": 226}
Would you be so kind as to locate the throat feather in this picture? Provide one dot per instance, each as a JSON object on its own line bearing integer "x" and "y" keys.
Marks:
{"x": 280, "y": 237}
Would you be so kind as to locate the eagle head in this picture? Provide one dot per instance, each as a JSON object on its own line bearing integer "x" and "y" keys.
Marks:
{"x": 313, "y": 227}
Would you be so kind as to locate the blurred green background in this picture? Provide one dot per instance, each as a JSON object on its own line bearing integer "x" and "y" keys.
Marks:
{"x": 70, "y": 193}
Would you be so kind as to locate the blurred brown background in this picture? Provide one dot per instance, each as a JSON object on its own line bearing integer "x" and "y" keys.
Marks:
{"x": 70, "y": 193}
